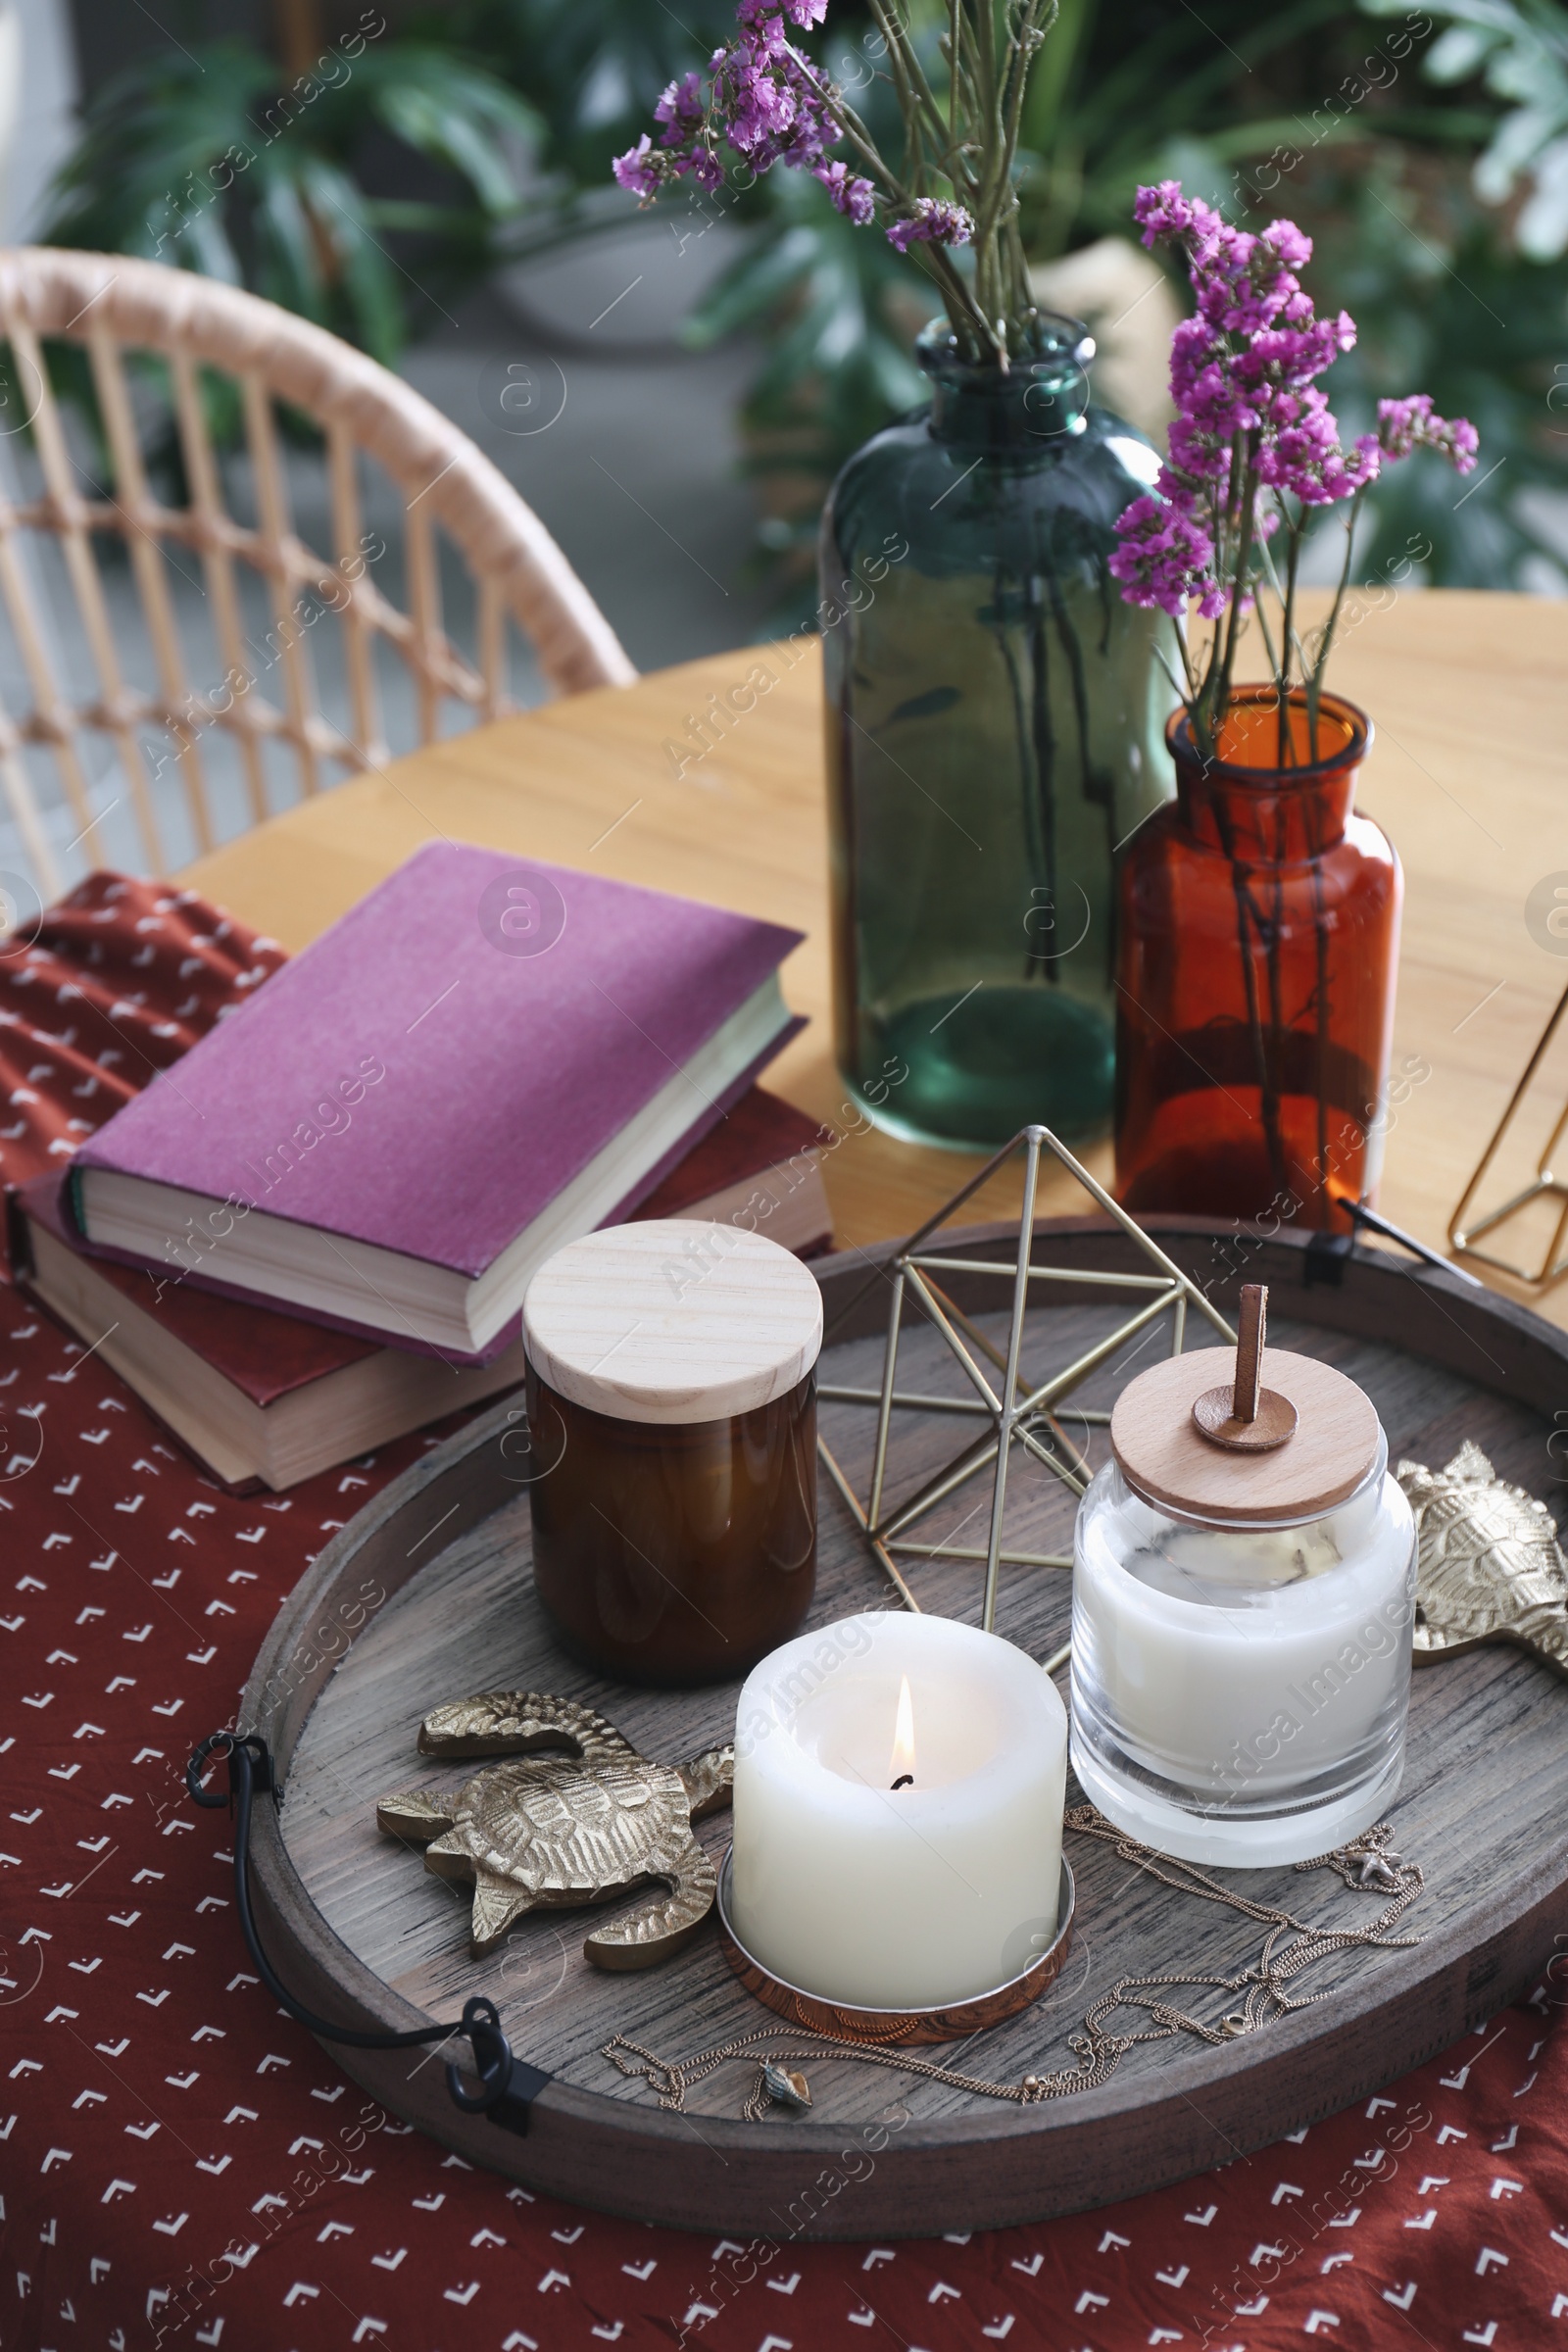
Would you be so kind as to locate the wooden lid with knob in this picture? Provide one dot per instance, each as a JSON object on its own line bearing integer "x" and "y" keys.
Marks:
{"x": 1265, "y": 1435}
{"x": 672, "y": 1321}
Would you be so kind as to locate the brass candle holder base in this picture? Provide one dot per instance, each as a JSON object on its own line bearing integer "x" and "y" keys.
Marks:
{"x": 845, "y": 2022}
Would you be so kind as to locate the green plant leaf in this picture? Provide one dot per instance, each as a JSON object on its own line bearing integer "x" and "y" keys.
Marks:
{"x": 203, "y": 160}
{"x": 455, "y": 115}
{"x": 593, "y": 72}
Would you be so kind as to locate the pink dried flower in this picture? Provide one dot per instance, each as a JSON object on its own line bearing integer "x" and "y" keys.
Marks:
{"x": 1404, "y": 426}
{"x": 762, "y": 97}
{"x": 1253, "y": 446}
{"x": 855, "y": 198}
{"x": 934, "y": 222}
{"x": 1303, "y": 456}
{"x": 1166, "y": 556}
{"x": 1165, "y": 211}
{"x": 770, "y": 105}
{"x": 639, "y": 169}
{"x": 680, "y": 110}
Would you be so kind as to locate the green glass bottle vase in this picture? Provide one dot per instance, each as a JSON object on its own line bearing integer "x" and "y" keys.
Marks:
{"x": 995, "y": 728}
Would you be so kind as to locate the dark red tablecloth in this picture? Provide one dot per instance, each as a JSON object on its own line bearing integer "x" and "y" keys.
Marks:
{"x": 162, "y": 2122}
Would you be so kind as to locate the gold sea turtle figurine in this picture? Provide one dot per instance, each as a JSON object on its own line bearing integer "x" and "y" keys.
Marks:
{"x": 1488, "y": 1564}
{"x": 556, "y": 1830}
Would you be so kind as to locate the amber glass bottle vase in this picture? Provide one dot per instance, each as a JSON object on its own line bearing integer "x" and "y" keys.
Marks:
{"x": 1258, "y": 926}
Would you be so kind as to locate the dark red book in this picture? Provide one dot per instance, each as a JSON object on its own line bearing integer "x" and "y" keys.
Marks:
{"x": 264, "y": 1399}
{"x": 260, "y": 1399}
{"x": 761, "y": 1165}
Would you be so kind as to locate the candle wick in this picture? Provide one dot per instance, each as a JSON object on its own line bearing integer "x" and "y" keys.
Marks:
{"x": 906, "y": 1780}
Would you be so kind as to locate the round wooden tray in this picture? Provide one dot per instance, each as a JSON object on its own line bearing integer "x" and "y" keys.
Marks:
{"x": 426, "y": 1595}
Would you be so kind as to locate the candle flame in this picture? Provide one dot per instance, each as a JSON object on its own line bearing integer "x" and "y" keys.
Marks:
{"x": 900, "y": 1765}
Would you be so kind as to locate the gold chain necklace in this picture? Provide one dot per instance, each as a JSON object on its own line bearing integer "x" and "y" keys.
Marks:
{"x": 1366, "y": 1863}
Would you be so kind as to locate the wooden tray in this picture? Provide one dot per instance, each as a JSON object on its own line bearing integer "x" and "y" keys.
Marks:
{"x": 426, "y": 1595}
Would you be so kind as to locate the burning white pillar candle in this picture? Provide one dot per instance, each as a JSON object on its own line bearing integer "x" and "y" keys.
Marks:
{"x": 898, "y": 1896}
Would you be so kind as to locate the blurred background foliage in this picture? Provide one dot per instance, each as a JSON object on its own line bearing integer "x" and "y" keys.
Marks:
{"x": 1426, "y": 151}
{"x": 216, "y": 160}
{"x": 1519, "y": 50}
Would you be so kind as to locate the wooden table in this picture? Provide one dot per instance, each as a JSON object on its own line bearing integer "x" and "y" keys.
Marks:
{"x": 1469, "y": 695}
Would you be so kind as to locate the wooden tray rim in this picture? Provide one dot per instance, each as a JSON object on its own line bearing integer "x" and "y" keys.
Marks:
{"x": 325, "y": 1970}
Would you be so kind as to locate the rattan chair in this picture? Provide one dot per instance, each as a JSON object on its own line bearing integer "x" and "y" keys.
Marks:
{"x": 111, "y": 306}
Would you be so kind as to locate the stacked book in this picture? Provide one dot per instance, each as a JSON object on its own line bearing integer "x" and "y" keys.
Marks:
{"x": 315, "y": 1232}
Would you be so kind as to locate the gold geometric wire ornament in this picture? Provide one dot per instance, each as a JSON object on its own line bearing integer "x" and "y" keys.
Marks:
{"x": 1024, "y": 1413}
{"x": 1463, "y": 1238}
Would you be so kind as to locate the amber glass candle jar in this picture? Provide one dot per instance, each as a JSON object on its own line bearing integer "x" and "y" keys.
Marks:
{"x": 1258, "y": 930}
{"x": 672, "y": 1417}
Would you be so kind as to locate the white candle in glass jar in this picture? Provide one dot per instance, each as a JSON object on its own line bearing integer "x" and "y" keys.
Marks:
{"x": 910, "y": 1896}
{"x": 1239, "y": 1685}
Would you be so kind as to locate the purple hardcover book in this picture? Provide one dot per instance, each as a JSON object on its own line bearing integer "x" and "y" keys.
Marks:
{"x": 484, "y": 1058}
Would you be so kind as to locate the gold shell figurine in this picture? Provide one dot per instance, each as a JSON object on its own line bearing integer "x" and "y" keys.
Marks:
{"x": 1488, "y": 1564}
{"x": 553, "y": 1830}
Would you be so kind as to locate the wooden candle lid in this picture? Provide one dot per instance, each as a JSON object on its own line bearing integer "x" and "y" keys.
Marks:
{"x": 1264, "y": 1434}
{"x": 672, "y": 1321}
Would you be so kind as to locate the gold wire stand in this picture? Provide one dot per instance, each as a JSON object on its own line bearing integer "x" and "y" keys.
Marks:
{"x": 1024, "y": 1413}
{"x": 1463, "y": 1238}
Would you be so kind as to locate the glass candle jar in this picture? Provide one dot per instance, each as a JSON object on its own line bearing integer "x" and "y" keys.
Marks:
{"x": 672, "y": 1417}
{"x": 1240, "y": 1672}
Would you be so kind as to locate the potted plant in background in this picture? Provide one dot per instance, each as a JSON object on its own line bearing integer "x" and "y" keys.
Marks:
{"x": 993, "y": 712}
{"x": 1373, "y": 126}
{"x": 1258, "y": 915}
{"x": 249, "y": 166}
